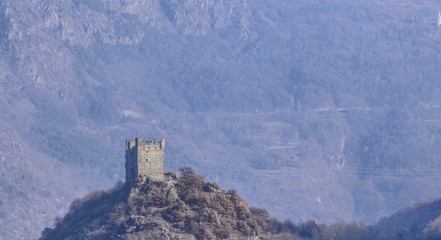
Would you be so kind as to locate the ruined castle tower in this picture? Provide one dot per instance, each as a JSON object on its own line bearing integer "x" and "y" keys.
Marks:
{"x": 144, "y": 160}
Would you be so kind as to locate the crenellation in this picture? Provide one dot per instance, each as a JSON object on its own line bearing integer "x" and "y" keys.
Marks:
{"x": 144, "y": 160}
{"x": 130, "y": 144}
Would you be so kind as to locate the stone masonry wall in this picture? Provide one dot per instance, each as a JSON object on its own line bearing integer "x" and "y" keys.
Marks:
{"x": 151, "y": 160}
{"x": 131, "y": 161}
{"x": 144, "y": 160}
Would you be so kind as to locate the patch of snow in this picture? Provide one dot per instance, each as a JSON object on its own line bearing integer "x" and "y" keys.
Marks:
{"x": 132, "y": 114}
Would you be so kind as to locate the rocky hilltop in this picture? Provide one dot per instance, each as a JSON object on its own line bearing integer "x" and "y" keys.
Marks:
{"x": 183, "y": 206}
{"x": 337, "y": 98}
{"x": 186, "y": 206}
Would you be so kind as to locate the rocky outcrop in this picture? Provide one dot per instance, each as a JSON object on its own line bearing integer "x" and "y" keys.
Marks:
{"x": 183, "y": 206}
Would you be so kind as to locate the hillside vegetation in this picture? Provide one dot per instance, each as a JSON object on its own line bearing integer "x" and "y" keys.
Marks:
{"x": 321, "y": 110}
{"x": 183, "y": 206}
{"x": 186, "y": 206}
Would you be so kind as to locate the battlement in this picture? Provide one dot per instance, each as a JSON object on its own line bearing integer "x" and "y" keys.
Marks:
{"x": 144, "y": 160}
{"x": 139, "y": 143}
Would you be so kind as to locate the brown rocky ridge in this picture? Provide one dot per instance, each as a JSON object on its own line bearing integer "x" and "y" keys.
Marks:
{"x": 182, "y": 206}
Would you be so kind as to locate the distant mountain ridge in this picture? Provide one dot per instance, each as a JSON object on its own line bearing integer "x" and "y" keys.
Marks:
{"x": 335, "y": 103}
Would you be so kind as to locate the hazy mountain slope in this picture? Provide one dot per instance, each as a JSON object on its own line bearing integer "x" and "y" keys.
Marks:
{"x": 335, "y": 103}
{"x": 421, "y": 221}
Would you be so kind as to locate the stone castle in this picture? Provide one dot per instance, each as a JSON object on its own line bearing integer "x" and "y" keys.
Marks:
{"x": 144, "y": 160}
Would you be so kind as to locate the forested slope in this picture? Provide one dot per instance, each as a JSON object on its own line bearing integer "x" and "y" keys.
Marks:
{"x": 334, "y": 102}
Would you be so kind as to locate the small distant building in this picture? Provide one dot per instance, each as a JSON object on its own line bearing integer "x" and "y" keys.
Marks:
{"x": 144, "y": 160}
{"x": 439, "y": 19}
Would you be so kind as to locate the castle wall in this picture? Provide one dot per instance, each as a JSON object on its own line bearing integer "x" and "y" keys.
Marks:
{"x": 151, "y": 161}
{"x": 144, "y": 160}
{"x": 131, "y": 161}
